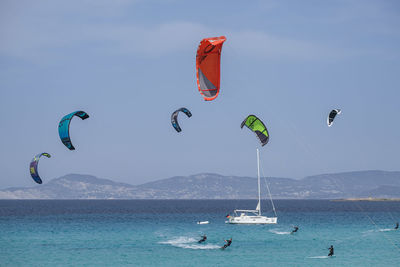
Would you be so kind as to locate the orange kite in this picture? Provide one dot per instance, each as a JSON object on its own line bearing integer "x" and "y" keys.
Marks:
{"x": 208, "y": 62}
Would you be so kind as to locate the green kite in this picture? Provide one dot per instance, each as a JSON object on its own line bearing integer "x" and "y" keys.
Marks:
{"x": 258, "y": 127}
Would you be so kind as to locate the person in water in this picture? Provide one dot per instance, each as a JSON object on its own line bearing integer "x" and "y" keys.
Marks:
{"x": 331, "y": 252}
{"x": 397, "y": 226}
{"x": 296, "y": 228}
{"x": 203, "y": 239}
{"x": 228, "y": 243}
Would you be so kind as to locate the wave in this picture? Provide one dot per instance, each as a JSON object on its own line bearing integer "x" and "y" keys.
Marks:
{"x": 279, "y": 232}
{"x": 189, "y": 243}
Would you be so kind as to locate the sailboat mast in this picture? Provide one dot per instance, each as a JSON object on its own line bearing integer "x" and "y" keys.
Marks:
{"x": 258, "y": 176}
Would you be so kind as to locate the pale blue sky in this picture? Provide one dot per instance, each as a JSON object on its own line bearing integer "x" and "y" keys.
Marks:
{"x": 129, "y": 64}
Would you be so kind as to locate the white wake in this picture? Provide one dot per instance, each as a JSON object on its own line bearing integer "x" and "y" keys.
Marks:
{"x": 379, "y": 230}
{"x": 279, "y": 232}
{"x": 189, "y": 242}
{"x": 386, "y": 230}
{"x": 321, "y": 257}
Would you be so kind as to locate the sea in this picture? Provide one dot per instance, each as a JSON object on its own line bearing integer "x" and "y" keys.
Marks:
{"x": 166, "y": 233}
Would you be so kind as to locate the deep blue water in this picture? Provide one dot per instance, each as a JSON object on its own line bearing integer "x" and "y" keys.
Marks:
{"x": 164, "y": 233}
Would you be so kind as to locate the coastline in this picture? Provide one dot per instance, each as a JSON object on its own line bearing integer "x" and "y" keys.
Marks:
{"x": 366, "y": 199}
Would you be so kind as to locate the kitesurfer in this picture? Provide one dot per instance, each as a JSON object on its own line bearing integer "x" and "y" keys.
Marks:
{"x": 203, "y": 239}
{"x": 228, "y": 243}
{"x": 331, "y": 252}
{"x": 296, "y": 228}
{"x": 397, "y": 226}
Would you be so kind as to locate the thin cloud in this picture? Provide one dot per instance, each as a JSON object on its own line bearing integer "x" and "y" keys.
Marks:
{"x": 266, "y": 46}
{"x": 33, "y": 43}
{"x": 168, "y": 37}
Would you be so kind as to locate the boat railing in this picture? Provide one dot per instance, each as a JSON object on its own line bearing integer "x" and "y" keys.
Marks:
{"x": 250, "y": 211}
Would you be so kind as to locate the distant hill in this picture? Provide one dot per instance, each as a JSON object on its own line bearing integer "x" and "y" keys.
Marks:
{"x": 378, "y": 184}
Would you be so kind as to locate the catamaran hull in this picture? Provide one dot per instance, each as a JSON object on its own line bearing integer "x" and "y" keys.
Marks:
{"x": 252, "y": 220}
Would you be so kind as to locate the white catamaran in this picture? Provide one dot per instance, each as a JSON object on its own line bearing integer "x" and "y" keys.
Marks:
{"x": 254, "y": 216}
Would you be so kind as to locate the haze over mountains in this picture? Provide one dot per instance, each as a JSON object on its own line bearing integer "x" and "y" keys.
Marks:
{"x": 380, "y": 184}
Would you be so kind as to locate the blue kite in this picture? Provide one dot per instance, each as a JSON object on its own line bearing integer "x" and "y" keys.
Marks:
{"x": 63, "y": 127}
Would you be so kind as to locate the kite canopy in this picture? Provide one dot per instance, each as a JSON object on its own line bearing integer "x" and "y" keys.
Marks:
{"x": 258, "y": 127}
{"x": 33, "y": 167}
{"x": 174, "y": 118}
{"x": 332, "y": 116}
{"x": 208, "y": 62}
{"x": 63, "y": 127}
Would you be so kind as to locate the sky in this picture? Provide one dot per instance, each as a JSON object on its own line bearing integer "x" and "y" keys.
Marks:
{"x": 130, "y": 64}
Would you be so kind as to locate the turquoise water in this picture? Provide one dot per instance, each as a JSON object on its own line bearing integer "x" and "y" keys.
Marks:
{"x": 165, "y": 233}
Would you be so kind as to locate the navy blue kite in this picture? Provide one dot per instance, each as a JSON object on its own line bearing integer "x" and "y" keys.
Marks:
{"x": 33, "y": 167}
{"x": 174, "y": 118}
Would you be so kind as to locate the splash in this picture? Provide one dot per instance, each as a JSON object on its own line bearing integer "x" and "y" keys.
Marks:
{"x": 188, "y": 243}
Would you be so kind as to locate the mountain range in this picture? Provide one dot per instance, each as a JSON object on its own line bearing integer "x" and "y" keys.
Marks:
{"x": 357, "y": 184}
